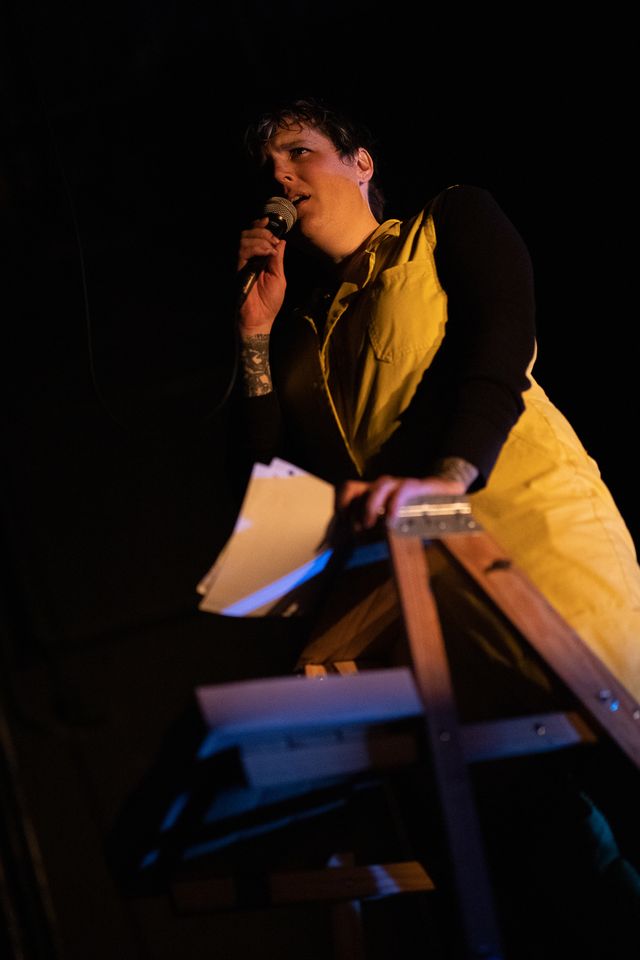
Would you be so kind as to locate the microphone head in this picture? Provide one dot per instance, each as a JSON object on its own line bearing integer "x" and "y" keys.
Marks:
{"x": 283, "y": 209}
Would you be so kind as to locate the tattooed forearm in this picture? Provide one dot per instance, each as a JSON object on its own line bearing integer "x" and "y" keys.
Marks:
{"x": 254, "y": 356}
{"x": 455, "y": 468}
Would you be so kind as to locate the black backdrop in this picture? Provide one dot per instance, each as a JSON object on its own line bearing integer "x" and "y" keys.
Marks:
{"x": 122, "y": 189}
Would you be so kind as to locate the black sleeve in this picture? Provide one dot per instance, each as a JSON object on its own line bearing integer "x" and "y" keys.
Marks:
{"x": 256, "y": 431}
{"x": 485, "y": 269}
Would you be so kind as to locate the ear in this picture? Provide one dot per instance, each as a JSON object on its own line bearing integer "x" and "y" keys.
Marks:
{"x": 364, "y": 163}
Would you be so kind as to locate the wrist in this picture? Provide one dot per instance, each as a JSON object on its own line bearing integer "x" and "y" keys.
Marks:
{"x": 260, "y": 330}
{"x": 456, "y": 470}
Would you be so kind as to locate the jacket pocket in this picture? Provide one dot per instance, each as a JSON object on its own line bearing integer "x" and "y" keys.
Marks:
{"x": 408, "y": 312}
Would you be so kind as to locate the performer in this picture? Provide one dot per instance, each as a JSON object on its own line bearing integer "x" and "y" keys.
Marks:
{"x": 407, "y": 371}
{"x": 395, "y": 361}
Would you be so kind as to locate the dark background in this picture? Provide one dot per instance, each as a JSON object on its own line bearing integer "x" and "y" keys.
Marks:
{"x": 123, "y": 185}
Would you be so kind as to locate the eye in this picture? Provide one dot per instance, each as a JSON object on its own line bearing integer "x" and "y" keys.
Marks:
{"x": 296, "y": 152}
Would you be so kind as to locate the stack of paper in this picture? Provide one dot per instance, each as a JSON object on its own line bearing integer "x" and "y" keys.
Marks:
{"x": 278, "y": 548}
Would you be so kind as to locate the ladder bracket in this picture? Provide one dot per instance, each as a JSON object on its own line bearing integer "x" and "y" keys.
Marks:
{"x": 435, "y": 516}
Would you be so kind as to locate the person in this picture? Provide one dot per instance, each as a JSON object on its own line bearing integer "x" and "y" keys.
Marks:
{"x": 409, "y": 372}
{"x": 398, "y": 363}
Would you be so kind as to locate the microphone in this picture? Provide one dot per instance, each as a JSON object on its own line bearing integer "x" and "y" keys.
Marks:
{"x": 282, "y": 215}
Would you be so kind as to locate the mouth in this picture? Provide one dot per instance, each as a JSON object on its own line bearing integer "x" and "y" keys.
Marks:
{"x": 298, "y": 200}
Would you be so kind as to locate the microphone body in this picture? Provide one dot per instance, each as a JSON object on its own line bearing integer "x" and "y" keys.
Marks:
{"x": 282, "y": 215}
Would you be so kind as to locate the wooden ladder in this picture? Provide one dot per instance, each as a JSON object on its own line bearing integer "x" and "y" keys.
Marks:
{"x": 604, "y": 709}
{"x": 608, "y": 708}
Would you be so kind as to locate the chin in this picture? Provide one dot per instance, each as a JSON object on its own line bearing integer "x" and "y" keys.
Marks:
{"x": 306, "y": 230}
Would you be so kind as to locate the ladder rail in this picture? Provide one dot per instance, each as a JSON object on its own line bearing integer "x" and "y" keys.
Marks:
{"x": 609, "y": 704}
{"x": 479, "y": 926}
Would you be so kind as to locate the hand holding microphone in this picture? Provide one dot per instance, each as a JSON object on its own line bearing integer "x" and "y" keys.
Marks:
{"x": 281, "y": 215}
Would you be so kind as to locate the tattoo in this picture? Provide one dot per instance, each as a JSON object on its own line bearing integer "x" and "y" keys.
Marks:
{"x": 455, "y": 468}
{"x": 254, "y": 356}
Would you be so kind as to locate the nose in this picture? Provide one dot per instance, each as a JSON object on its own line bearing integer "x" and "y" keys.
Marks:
{"x": 281, "y": 170}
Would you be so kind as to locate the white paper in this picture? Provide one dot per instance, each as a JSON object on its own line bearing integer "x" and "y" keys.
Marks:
{"x": 279, "y": 543}
{"x": 256, "y": 709}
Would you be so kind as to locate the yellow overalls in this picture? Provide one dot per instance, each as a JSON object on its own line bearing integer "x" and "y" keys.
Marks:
{"x": 545, "y": 501}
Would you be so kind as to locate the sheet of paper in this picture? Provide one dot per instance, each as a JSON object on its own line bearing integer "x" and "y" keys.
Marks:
{"x": 277, "y": 548}
{"x": 258, "y": 709}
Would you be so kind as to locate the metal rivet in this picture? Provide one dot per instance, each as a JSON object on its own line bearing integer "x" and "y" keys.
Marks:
{"x": 540, "y": 729}
{"x": 604, "y": 694}
{"x": 636, "y": 714}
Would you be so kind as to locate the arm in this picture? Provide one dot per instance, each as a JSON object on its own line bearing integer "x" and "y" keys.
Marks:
{"x": 485, "y": 269}
{"x": 254, "y": 358}
{"x": 255, "y": 318}
{"x": 257, "y": 312}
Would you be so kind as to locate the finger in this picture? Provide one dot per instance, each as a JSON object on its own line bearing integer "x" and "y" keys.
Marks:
{"x": 375, "y": 505}
{"x": 257, "y": 247}
{"x": 404, "y": 492}
{"x": 348, "y": 492}
{"x": 276, "y": 262}
{"x": 412, "y": 488}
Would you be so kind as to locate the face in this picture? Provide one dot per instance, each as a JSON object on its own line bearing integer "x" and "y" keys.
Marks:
{"x": 328, "y": 190}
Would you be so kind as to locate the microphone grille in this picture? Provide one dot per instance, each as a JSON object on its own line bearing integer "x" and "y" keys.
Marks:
{"x": 282, "y": 208}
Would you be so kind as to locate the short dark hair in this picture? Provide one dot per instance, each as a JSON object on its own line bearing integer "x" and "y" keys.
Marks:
{"x": 347, "y": 135}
